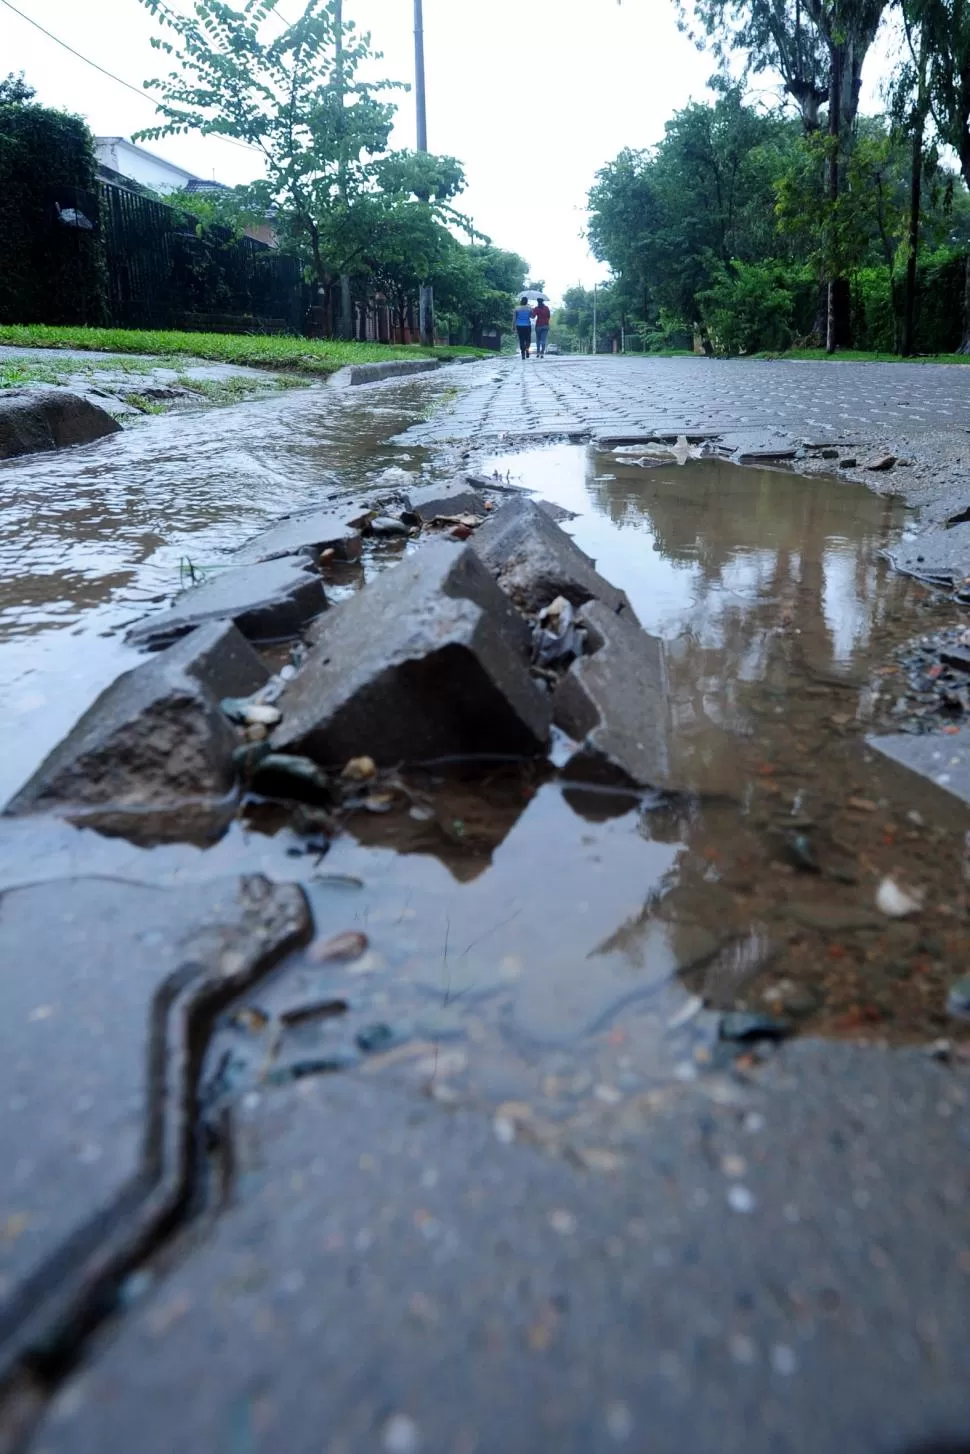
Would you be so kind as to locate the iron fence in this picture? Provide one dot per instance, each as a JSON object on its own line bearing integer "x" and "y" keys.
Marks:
{"x": 163, "y": 274}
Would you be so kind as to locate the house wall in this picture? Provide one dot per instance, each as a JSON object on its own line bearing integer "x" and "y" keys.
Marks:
{"x": 141, "y": 166}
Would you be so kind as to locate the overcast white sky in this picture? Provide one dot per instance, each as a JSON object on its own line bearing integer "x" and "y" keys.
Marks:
{"x": 531, "y": 95}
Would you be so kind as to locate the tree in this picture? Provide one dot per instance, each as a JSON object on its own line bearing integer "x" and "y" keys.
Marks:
{"x": 943, "y": 30}
{"x": 14, "y": 91}
{"x": 831, "y": 55}
{"x": 668, "y": 219}
{"x": 480, "y": 286}
{"x": 574, "y": 320}
{"x": 295, "y": 97}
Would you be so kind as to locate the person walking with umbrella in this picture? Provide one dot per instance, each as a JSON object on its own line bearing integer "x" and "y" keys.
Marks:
{"x": 543, "y": 318}
{"x": 523, "y": 326}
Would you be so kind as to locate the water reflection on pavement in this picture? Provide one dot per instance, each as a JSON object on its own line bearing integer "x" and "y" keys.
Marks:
{"x": 544, "y": 951}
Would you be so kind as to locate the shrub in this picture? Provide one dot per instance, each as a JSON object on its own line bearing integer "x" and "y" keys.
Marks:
{"x": 50, "y": 242}
{"x": 751, "y": 307}
{"x": 873, "y": 314}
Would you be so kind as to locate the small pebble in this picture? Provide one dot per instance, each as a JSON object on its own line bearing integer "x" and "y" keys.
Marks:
{"x": 742, "y": 1348}
{"x": 733, "y": 1165}
{"x": 896, "y": 902}
{"x": 375, "y": 1038}
{"x": 783, "y": 1360}
{"x": 619, "y": 1422}
{"x": 261, "y": 715}
{"x": 342, "y": 947}
{"x": 562, "y": 1222}
{"x": 740, "y": 1199}
{"x": 400, "y": 1435}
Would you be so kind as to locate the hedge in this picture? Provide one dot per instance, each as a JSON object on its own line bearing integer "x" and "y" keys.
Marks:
{"x": 50, "y": 241}
{"x": 768, "y": 306}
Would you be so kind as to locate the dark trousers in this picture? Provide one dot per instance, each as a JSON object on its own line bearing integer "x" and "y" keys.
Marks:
{"x": 525, "y": 338}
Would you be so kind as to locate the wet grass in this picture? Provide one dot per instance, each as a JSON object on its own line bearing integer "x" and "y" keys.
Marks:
{"x": 305, "y": 355}
{"x": 16, "y": 372}
{"x": 859, "y": 355}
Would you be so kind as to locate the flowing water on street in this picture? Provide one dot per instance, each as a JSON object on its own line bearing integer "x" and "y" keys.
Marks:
{"x": 555, "y": 954}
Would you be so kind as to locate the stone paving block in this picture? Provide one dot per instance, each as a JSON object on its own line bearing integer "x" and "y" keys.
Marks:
{"x": 268, "y": 602}
{"x": 335, "y": 529}
{"x": 534, "y": 561}
{"x": 153, "y": 754}
{"x": 430, "y": 500}
{"x": 929, "y": 773}
{"x": 614, "y": 702}
{"x": 393, "y": 1274}
{"x": 106, "y": 987}
{"x": 429, "y": 660}
{"x": 941, "y": 556}
{"x": 40, "y": 419}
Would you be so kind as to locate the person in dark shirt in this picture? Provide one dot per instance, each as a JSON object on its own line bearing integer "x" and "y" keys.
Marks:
{"x": 543, "y": 318}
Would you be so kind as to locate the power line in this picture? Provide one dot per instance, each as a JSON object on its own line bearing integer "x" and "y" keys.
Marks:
{"x": 110, "y": 74}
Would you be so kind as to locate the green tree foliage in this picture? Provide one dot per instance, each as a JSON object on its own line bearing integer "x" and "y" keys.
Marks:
{"x": 668, "y": 220}
{"x": 818, "y": 48}
{"x": 938, "y": 32}
{"x": 479, "y": 287}
{"x": 14, "y": 90}
{"x": 728, "y": 225}
{"x": 349, "y": 207}
{"x": 295, "y": 96}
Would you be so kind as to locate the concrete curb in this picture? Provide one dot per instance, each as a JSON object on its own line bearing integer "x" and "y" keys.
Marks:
{"x": 375, "y": 373}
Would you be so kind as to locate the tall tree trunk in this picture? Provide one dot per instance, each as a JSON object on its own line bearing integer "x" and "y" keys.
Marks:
{"x": 834, "y": 319}
{"x": 965, "y": 345}
{"x": 908, "y": 342}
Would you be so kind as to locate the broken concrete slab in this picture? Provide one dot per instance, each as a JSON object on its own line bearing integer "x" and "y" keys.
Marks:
{"x": 426, "y": 503}
{"x": 940, "y": 556}
{"x": 337, "y": 530}
{"x": 153, "y": 756}
{"x": 39, "y": 419}
{"x": 428, "y": 661}
{"x": 614, "y": 702}
{"x": 612, "y": 440}
{"x": 109, "y": 990}
{"x": 928, "y": 773}
{"x": 534, "y": 561}
{"x": 268, "y": 602}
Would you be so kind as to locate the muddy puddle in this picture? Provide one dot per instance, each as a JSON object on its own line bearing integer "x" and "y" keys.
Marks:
{"x": 564, "y": 957}
{"x": 92, "y": 538}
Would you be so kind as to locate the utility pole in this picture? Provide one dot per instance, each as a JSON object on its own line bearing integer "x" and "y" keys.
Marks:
{"x": 346, "y": 325}
{"x": 426, "y": 305}
{"x": 594, "y": 317}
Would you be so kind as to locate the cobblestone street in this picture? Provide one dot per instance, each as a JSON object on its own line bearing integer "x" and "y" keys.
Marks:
{"x": 920, "y": 413}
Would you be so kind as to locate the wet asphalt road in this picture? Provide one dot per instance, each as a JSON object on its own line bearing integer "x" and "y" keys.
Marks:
{"x": 766, "y": 1258}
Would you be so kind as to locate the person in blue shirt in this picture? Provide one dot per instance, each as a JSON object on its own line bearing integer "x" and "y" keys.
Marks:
{"x": 523, "y": 326}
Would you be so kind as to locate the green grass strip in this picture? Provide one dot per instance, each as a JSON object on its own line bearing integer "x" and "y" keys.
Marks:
{"x": 304, "y": 355}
